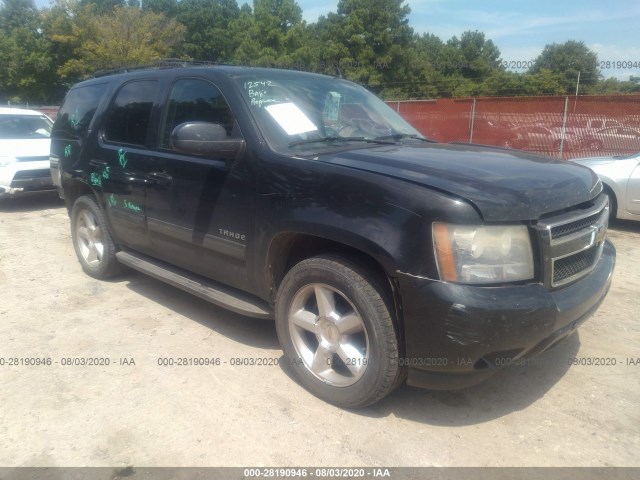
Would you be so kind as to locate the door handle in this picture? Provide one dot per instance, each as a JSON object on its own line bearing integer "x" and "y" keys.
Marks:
{"x": 160, "y": 179}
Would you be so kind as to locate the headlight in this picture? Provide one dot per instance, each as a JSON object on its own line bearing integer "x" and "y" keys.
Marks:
{"x": 482, "y": 254}
{"x": 4, "y": 161}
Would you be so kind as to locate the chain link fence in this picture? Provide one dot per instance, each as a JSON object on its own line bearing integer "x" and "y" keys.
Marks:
{"x": 561, "y": 127}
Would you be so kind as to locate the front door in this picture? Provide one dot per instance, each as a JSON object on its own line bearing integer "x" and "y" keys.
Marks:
{"x": 200, "y": 209}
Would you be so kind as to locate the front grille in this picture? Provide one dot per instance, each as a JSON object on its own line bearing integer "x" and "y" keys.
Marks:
{"x": 573, "y": 265}
{"x": 40, "y": 173}
{"x": 569, "y": 228}
{"x": 32, "y": 159}
{"x": 571, "y": 243}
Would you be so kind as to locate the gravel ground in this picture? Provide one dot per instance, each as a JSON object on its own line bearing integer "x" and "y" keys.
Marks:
{"x": 137, "y": 412}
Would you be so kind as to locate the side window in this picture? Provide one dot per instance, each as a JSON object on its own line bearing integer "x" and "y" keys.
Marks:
{"x": 77, "y": 111}
{"x": 129, "y": 115}
{"x": 195, "y": 100}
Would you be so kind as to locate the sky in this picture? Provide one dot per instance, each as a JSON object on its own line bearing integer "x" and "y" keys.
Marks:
{"x": 521, "y": 28}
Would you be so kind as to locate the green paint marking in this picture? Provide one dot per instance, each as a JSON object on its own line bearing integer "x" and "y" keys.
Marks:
{"x": 106, "y": 173}
{"x": 67, "y": 151}
{"x": 132, "y": 206}
{"x": 122, "y": 158}
{"x": 112, "y": 200}
{"x": 95, "y": 179}
{"x": 74, "y": 119}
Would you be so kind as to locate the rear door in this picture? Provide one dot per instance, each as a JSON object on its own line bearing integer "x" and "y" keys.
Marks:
{"x": 123, "y": 159}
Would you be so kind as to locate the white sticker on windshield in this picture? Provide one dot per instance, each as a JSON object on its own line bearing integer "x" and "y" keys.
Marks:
{"x": 291, "y": 118}
{"x": 332, "y": 106}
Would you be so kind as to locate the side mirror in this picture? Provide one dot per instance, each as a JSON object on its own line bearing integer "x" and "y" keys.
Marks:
{"x": 207, "y": 139}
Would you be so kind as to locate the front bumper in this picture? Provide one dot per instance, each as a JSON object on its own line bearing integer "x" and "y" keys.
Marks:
{"x": 457, "y": 335}
{"x": 30, "y": 177}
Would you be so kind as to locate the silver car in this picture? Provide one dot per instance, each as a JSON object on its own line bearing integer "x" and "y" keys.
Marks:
{"x": 24, "y": 151}
{"x": 620, "y": 177}
{"x": 614, "y": 139}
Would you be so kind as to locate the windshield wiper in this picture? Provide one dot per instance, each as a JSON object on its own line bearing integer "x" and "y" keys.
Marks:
{"x": 400, "y": 136}
{"x": 379, "y": 141}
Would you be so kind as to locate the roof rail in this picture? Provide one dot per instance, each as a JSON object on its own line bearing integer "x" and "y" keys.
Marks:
{"x": 159, "y": 64}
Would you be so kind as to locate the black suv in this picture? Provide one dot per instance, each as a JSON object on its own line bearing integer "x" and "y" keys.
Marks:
{"x": 383, "y": 256}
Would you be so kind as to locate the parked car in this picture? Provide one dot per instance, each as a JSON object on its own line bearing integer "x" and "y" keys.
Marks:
{"x": 542, "y": 139}
{"x": 600, "y": 123}
{"x": 620, "y": 177}
{"x": 24, "y": 151}
{"x": 381, "y": 255}
{"x": 614, "y": 139}
{"x": 493, "y": 132}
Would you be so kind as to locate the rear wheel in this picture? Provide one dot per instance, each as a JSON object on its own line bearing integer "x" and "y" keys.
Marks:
{"x": 92, "y": 241}
{"x": 336, "y": 327}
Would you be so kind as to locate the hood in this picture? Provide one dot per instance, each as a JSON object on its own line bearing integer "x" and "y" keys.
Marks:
{"x": 503, "y": 185}
{"x": 38, "y": 147}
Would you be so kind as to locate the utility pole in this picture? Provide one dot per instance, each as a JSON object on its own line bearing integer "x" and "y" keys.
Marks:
{"x": 575, "y": 101}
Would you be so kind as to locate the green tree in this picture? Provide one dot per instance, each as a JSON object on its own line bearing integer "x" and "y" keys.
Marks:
{"x": 502, "y": 83}
{"x": 207, "y": 32}
{"x": 124, "y": 38}
{"x": 544, "y": 82}
{"x": 270, "y": 35}
{"x": 103, "y": 7}
{"x": 481, "y": 56}
{"x": 567, "y": 60}
{"x": 615, "y": 86}
{"x": 166, "y": 7}
{"x": 27, "y": 73}
{"x": 370, "y": 42}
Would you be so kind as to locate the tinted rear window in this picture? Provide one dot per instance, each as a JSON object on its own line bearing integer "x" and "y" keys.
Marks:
{"x": 77, "y": 111}
{"x": 129, "y": 115}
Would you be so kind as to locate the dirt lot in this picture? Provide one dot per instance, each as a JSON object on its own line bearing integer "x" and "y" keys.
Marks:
{"x": 136, "y": 412}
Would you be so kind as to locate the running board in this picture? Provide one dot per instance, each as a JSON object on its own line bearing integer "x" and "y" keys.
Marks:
{"x": 210, "y": 291}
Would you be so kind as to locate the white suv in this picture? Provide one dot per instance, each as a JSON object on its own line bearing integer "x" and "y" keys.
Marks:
{"x": 24, "y": 151}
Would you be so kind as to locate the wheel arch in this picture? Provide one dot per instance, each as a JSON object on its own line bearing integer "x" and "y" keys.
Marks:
{"x": 289, "y": 248}
{"x": 613, "y": 196}
{"x": 76, "y": 188}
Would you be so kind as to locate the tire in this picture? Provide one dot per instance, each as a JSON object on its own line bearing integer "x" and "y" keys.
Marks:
{"x": 613, "y": 204}
{"x": 335, "y": 324}
{"x": 92, "y": 240}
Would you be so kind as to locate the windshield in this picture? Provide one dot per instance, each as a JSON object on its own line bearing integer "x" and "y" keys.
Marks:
{"x": 24, "y": 126}
{"x": 300, "y": 113}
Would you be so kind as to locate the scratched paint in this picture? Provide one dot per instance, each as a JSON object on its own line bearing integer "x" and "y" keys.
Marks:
{"x": 67, "y": 151}
{"x": 112, "y": 200}
{"x": 106, "y": 173}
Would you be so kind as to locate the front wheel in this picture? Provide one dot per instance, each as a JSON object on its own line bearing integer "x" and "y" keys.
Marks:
{"x": 613, "y": 204}
{"x": 92, "y": 241}
{"x": 335, "y": 325}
